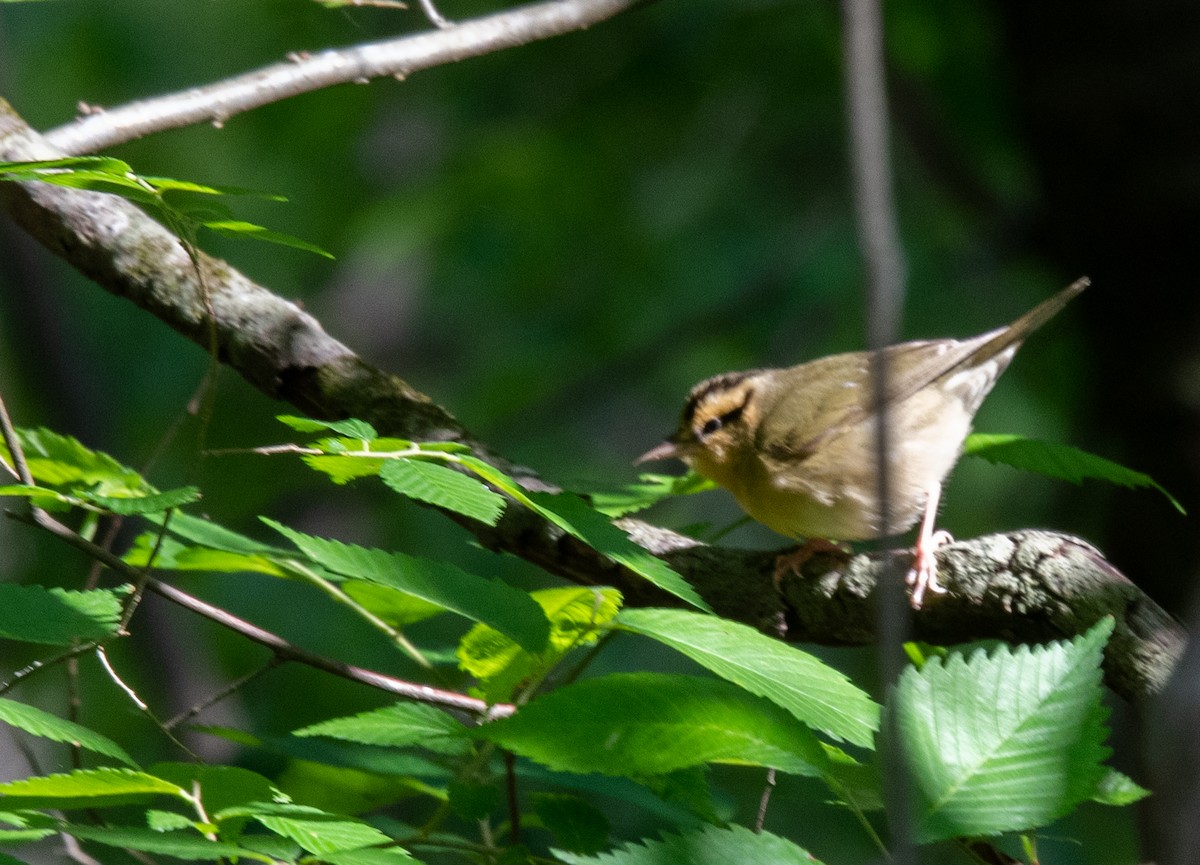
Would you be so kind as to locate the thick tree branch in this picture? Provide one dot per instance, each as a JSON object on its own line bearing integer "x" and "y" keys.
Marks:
{"x": 303, "y": 72}
{"x": 1024, "y": 586}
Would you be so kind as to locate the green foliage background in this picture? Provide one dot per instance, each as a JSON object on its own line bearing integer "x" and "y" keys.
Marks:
{"x": 555, "y": 242}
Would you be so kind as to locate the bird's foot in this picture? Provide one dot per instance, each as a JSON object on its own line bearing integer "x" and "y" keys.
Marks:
{"x": 793, "y": 562}
{"x": 922, "y": 576}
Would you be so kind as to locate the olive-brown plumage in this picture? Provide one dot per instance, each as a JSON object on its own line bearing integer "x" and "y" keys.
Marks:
{"x": 796, "y": 446}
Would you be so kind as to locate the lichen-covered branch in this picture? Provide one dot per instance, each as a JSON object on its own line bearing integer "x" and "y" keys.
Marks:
{"x": 1022, "y": 586}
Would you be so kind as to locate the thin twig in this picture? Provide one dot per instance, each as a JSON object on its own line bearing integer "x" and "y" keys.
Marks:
{"x": 112, "y": 674}
{"x": 76, "y": 853}
{"x": 306, "y": 72}
{"x": 760, "y": 818}
{"x": 13, "y": 443}
{"x": 142, "y": 705}
{"x": 514, "y": 807}
{"x": 435, "y": 17}
{"x": 230, "y": 689}
{"x": 45, "y": 664}
{"x": 281, "y": 647}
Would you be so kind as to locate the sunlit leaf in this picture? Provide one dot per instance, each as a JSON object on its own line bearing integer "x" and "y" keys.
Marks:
{"x": 576, "y": 615}
{"x": 492, "y": 602}
{"x": 617, "y": 501}
{"x": 814, "y": 692}
{"x": 398, "y": 726}
{"x": 187, "y": 845}
{"x": 39, "y": 723}
{"x": 145, "y": 504}
{"x": 58, "y": 617}
{"x": 1058, "y": 461}
{"x": 712, "y": 845}
{"x": 351, "y": 428}
{"x": 238, "y": 228}
{"x": 85, "y": 788}
{"x": 640, "y": 724}
{"x": 1004, "y": 741}
{"x": 316, "y": 831}
{"x": 443, "y": 486}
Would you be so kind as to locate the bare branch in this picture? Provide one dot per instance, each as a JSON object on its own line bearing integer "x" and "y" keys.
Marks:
{"x": 303, "y": 72}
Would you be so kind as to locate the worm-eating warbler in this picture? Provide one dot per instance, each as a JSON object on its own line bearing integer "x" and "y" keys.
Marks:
{"x": 797, "y": 446}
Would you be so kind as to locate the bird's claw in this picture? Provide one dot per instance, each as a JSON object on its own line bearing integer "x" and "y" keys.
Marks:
{"x": 922, "y": 576}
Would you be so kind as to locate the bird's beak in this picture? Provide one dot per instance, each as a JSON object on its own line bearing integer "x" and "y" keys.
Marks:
{"x": 668, "y": 450}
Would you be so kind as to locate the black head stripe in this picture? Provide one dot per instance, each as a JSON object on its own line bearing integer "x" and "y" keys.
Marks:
{"x": 717, "y": 383}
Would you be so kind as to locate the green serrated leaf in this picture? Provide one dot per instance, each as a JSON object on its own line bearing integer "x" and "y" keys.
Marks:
{"x": 351, "y": 428}
{"x": 712, "y": 845}
{"x": 41, "y": 497}
{"x": 62, "y": 461}
{"x": 316, "y": 831}
{"x": 188, "y": 845}
{"x": 219, "y": 787}
{"x": 21, "y": 836}
{"x": 369, "y": 856}
{"x": 381, "y": 778}
{"x": 238, "y": 228}
{"x": 398, "y": 726}
{"x": 640, "y": 724}
{"x": 167, "y": 821}
{"x": 492, "y": 602}
{"x": 85, "y": 788}
{"x": 144, "y": 504}
{"x": 1118, "y": 789}
{"x": 171, "y": 184}
{"x": 572, "y": 515}
{"x": 342, "y": 470}
{"x": 814, "y": 692}
{"x": 25, "y": 170}
{"x": 39, "y": 723}
{"x": 1006, "y": 741}
{"x": 170, "y": 555}
{"x": 443, "y": 486}
{"x": 650, "y": 489}
{"x": 58, "y": 617}
{"x": 1058, "y": 461}
{"x": 398, "y": 609}
{"x": 126, "y": 187}
{"x": 576, "y": 616}
{"x": 575, "y": 823}
{"x": 206, "y": 533}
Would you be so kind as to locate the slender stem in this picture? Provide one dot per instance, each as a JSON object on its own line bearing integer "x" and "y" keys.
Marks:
{"x": 305, "y": 72}
{"x": 760, "y": 818}
{"x": 435, "y": 17}
{"x": 883, "y": 259}
{"x": 46, "y": 664}
{"x": 141, "y": 704}
{"x": 231, "y": 688}
{"x": 15, "y": 451}
{"x": 335, "y": 592}
{"x": 281, "y": 647}
{"x": 514, "y": 806}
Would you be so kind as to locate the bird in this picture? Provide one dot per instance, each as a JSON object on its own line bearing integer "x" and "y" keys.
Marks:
{"x": 797, "y": 446}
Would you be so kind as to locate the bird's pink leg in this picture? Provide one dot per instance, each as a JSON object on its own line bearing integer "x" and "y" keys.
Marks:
{"x": 922, "y": 576}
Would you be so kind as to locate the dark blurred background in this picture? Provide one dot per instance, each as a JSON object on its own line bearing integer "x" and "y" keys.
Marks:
{"x": 557, "y": 241}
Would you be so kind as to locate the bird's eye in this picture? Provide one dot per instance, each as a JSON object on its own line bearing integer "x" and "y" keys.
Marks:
{"x": 715, "y": 423}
